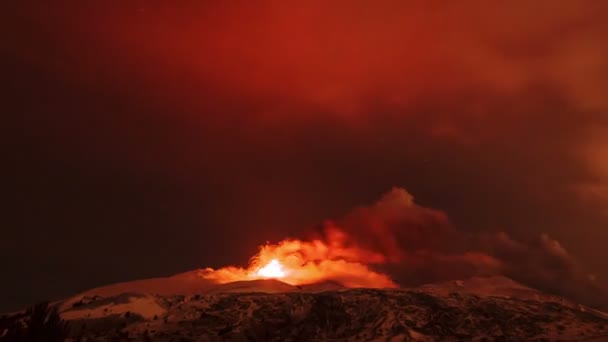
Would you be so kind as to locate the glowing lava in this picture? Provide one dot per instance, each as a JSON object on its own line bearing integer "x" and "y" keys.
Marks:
{"x": 297, "y": 262}
{"x": 273, "y": 269}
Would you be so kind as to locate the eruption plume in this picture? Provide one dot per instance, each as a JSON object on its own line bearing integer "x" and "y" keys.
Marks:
{"x": 413, "y": 245}
{"x": 274, "y": 269}
{"x": 299, "y": 262}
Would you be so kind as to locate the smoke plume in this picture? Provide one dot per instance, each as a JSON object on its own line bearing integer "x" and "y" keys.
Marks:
{"x": 397, "y": 242}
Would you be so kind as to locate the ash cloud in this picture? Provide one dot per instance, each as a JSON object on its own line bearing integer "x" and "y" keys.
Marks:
{"x": 422, "y": 246}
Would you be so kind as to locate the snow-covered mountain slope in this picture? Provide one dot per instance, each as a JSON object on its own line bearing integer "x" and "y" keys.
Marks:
{"x": 349, "y": 315}
{"x": 183, "y": 283}
{"x": 322, "y": 286}
{"x": 263, "y": 286}
{"x": 269, "y": 310}
{"x": 484, "y": 286}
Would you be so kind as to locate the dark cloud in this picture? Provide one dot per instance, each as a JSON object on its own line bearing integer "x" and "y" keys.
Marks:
{"x": 421, "y": 246}
{"x": 545, "y": 264}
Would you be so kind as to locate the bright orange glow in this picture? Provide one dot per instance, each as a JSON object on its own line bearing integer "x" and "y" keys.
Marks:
{"x": 299, "y": 262}
{"x": 273, "y": 269}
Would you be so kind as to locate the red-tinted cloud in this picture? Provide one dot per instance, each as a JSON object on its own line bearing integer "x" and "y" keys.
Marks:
{"x": 201, "y": 121}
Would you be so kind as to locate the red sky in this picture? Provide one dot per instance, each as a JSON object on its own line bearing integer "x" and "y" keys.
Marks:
{"x": 149, "y": 137}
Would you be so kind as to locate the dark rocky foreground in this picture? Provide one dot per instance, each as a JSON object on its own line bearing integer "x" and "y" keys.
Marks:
{"x": 348, "y": 315}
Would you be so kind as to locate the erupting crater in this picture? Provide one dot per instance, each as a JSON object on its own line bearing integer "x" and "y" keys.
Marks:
{"x": 274, "y": 269}
{"x": 331, "y": 257}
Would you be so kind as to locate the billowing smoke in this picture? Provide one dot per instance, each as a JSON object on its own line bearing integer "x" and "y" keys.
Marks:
{"x": 545, "y": 264}
{"x": 422, "y": 246}
{"x": 395, "y": 241}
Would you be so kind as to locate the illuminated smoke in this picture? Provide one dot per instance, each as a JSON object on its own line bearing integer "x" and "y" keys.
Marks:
{"x": 301, "y": 262}
{"x": 413, "y": 245}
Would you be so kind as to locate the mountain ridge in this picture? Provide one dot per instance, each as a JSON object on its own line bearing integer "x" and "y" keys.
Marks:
{"x": 271, "y": 310}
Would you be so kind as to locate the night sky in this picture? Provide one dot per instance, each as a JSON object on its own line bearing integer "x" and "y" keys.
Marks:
{"x": 147, "y": 138}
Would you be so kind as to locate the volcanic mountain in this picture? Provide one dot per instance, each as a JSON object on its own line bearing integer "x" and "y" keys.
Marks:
{"x": 188, "y": 307}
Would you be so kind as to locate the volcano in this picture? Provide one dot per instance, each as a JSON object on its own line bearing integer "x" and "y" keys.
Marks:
{"x": 328, "y": 287}
{"x": 188, "y": 307}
